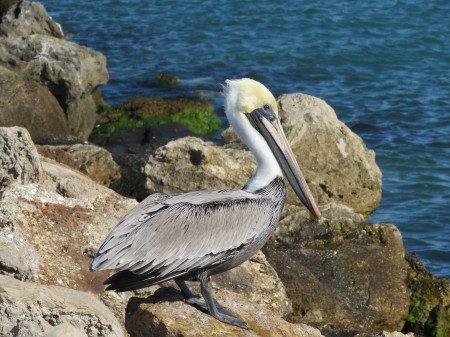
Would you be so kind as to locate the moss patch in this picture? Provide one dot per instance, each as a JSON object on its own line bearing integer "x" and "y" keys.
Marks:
{"x": 418, "y": 311}
{"x": 438, "y": 323}
{"x": 429, "y": 313}
{"x": 199, "y": 117}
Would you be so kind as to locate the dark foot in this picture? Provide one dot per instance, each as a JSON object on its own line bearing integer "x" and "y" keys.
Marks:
{"x": 228, "y": 318}
{"x": 197, "y": 301}
{"x": 210, "y": 305}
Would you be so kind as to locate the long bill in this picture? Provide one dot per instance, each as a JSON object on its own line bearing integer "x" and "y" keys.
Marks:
{"x": 269, "y": 126}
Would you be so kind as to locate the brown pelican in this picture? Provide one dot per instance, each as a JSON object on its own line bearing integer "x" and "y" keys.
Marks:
{"x": 194, "y": 235}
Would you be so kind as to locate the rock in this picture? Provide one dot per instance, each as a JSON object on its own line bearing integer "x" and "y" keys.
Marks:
{"x": 92, "y": 160}
{"x": 5, "y": 5}
{"x": 17, "y": 257}
{"x": 165, "y": 314}
{"x": 429, "y": 313}
{"x": 50, "y": 232}
{"x": 342, "y": 274}
{"x": 132, "y": 179}
{"x": 258, "y": 282}
{"x": 167, "y": 79}
{"x": 30, "y": 310}
{"x": 65, "y": 231}
{"x": 64, "y": 330}
{"x": 70, "y": 72}
{"x": 57, "y": 139}
{"x": 335, "y": 162}
{"x": 27, "y": 18}
{"x": 172, "y": 167}
{"x": 131, "y": 148}
{"x": 28, "y": 104}
{"x": 19, "y": 160}
{"x": 392, "y": 334}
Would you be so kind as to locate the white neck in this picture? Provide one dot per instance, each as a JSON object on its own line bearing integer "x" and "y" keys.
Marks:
{"x": 268, "y": 167}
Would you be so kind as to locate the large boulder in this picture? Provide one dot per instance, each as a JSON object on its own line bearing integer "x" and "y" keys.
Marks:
{"x": 166, "y": 314}
{"x": 342, "y": 274}
{"x": 334, "y": 160}
{"x": 172, "y": 168}
{"x": 33, "y": 310}
{"x": 24, "y": 18}
{"x": 28, "y": 104}
{"x": 70, "y": 72}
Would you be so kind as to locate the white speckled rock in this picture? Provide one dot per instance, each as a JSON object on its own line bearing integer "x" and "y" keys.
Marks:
{"x": 30, "y": 309}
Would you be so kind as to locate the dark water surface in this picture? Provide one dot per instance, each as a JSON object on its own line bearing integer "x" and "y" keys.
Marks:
{"x": 383, "y": 66}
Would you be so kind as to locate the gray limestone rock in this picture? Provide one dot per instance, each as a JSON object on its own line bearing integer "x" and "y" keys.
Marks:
{"x": 19, "y": 160}
{"x": 64, "y": 330}
{"x": 26, "y": 18}
{"x": 191, "y": 164}
{"x": 30, "y": 309}
{"x": 32, "y": 48}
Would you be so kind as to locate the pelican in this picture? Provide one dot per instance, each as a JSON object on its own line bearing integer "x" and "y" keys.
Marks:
{"x": 194, "y": 235}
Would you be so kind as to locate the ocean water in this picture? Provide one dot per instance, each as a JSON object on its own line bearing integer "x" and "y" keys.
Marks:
{"x": 383, "y": 66}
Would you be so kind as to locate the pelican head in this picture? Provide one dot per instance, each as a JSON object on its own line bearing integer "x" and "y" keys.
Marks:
{"x": 253, "y": 113}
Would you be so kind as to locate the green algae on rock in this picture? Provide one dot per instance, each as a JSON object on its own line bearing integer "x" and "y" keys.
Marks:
{"x": 429, "y": 311}
{"x": 198, "y": 116}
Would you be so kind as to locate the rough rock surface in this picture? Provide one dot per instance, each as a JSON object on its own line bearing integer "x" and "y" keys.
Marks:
{"x": 392, "y": 334}
{"x": 28, "y": 18}
{"x": 19, "y": 159}
{"x": 64, "y": 330}
{"x": 94, "y": 161}
{"x": 28, "y": 104}
{"x": 258, "y": 282}
{"x": 171, "y": 168}
{"x": 69, "y": 71}
{"x": 30, "y": 310}
{"x": 65, "y": 229}
{"x": 335, "y": 162}
{"x": 165, "y": 314}
{"x": 342, "y": 273}
{"x": 132, "y": 147}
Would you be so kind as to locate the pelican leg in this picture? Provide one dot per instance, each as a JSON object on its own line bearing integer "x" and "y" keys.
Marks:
{"x": 194, "y": 299}
{"x": 214, "y": 310}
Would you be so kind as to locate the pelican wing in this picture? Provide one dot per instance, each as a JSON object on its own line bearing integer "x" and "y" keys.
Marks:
{"x": 174, "y": 234}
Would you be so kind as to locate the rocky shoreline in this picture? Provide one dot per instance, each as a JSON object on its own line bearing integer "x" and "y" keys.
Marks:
{"x": 60, "y": 195}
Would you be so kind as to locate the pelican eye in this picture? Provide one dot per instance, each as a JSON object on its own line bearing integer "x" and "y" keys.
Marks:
{"x": 266, "y": 107}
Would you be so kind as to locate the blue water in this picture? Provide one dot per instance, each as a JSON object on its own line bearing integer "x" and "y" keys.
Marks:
{"x": 384, "y": 67}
